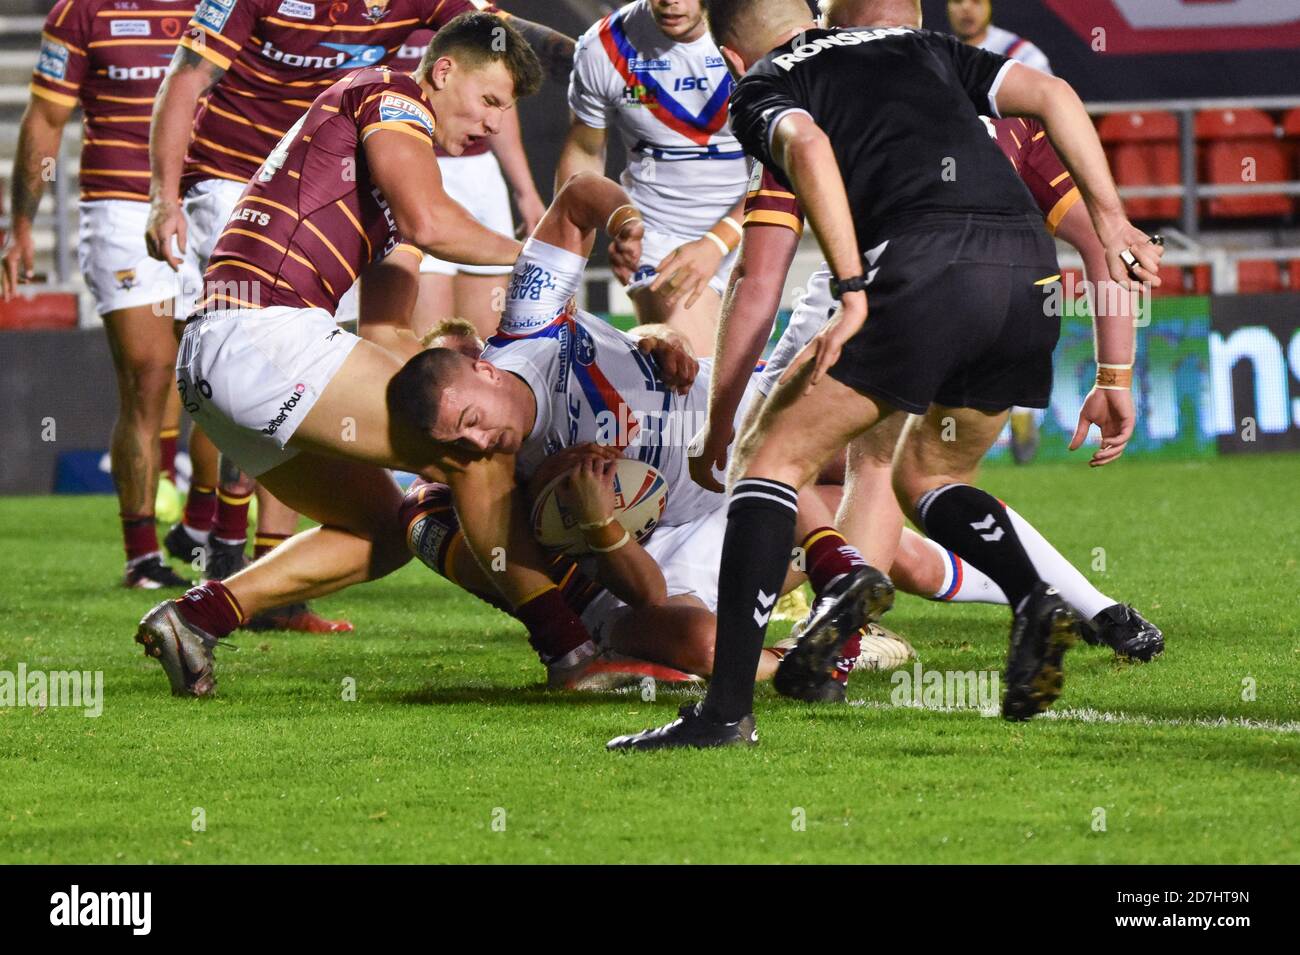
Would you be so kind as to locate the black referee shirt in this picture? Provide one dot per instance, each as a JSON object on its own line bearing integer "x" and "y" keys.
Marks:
{"x": 901, "y": 108}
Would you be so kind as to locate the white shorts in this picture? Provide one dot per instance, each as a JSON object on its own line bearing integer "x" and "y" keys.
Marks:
{"x": 812, "y": 310}
{"x": 113, "y": 259}
{"x": 688, "y": 555}
{"x": 655, "y": 247}
{"x": 207, "y": 206}
{"x": 477, "y": 184}
{"x": 249, "y": 376}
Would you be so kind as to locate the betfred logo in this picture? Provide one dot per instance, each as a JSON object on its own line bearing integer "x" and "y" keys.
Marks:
{"x": 1182, "y": 26}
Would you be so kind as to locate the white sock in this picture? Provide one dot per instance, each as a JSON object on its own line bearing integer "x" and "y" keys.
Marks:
{"x": 963, "y": 583}
{"x": 200, "y": 536}
{"x": 1057, "y": 571}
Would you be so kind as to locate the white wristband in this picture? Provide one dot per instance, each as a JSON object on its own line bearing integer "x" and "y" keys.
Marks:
{"x": 722, "y": 246}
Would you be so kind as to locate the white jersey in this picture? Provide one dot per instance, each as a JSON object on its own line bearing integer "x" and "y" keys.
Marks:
{"x": 1015, "y": 48}
{"x": 668, "y": 102}
{"x": 592, "y": 384}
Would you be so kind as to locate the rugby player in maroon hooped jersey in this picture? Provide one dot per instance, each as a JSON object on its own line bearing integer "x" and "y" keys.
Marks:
{"x": 869, "y": 515}
{"x": 303, "y": 405}
{"x": 483, "y": 179}
{"x": 110, "y": 61}
{"x": 261, "y": 63}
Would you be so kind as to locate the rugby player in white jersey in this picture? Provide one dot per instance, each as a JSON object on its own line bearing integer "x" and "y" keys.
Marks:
{"x": 554, "y": 378}
{"x": 972, "y": 21}
{"x": 651, "y": 72}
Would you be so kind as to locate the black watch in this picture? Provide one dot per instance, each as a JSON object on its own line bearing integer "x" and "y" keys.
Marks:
{"x": 839, "y": 286}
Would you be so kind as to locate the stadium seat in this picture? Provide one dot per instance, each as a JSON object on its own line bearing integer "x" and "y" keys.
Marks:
{"x": 1259, "y": 276}
{"x": 1293, "y": 275}
{"x": 1184, "y": 280}
{"x": 1233, "y": 140}
{"x": 39, "y": 310}
{"x": 1143, "y": 151}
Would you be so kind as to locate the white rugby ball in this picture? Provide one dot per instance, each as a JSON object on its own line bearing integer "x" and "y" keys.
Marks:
{"x": 640, "y": 494}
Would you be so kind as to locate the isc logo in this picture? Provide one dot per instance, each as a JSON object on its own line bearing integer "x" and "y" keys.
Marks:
{"x": 685, "y": 83}
{"x": 137, "y": 72}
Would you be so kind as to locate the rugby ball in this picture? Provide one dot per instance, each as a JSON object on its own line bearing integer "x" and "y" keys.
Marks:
{"x": 640, "y": 494}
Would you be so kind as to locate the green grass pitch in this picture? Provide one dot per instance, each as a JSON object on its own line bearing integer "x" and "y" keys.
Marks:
{"x": 453, "y": 751}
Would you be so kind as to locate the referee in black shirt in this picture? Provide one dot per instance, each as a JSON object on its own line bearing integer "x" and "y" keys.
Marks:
{"x": 877, "y": 131}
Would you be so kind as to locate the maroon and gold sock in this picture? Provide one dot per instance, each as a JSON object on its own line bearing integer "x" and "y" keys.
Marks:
{"x": 827, "y": 555}
{"x": 231, "y": 525}
{"x": 200, "y": 510}
{"x": 212, "y": 608}
{"x": 263, "y": 544}
{"x": 167, "y": 443}
{"x": 140, "y": 534}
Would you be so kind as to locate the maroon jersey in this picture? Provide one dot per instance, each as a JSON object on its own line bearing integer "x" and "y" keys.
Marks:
{"x": 110, "y": 60}
{"x": 406, "y": 58}
{"x": 1023, "y": 141}
{"x": 310, "y": 219}
{"x": 278, "y": 56}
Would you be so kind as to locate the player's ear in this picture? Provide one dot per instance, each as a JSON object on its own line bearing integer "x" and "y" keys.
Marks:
{"x": 488, "y": 370}
{"x": 735, "y": 64}
{"x": 441, "y": 69}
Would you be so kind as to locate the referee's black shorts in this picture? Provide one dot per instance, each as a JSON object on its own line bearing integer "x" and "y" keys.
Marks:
{"x": 958, "y": 315}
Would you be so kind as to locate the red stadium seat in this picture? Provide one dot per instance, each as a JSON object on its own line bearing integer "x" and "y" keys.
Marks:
{"x": 1143, "y": 151}
{"x": 1293, "y": 278}
{"x": 1259, "y": 276}
{"x": 1291, "y": 124}
{"x": 1184, "y": 280}
{"x": 1234, "y": 141}
{"x": 39, "y": 310}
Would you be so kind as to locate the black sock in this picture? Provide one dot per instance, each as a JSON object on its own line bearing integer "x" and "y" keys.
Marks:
{"x": 755, "y": 557}
{"x": 974, "y": 525}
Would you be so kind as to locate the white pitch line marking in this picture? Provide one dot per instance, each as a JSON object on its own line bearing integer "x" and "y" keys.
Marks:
{"x": 1088, "y": 715}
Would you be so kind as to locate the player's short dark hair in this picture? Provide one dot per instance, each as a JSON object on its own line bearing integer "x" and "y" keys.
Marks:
{"x": 415, "y": 392}
{"x": 723, "y": 16}
{"x": 477, "y": 39}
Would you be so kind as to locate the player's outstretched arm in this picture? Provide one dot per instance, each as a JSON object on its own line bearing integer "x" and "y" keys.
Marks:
{"x": 39, "y": 135}
{"x": 748, "y": 311}
{"x": 1027, "y": 92}
{"x": 508, "y": 147}
{"x": 406, "y": 172}
{"x": 804, "y": 152}
{"x": 583, "y": 151}
{"x": 188, "y": 78}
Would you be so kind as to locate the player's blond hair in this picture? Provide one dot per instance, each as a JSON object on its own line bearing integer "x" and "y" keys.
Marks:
{"x": 451, "y": 328}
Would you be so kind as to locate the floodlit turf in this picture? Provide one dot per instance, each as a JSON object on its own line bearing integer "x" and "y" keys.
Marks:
{"x": 453, "y": 752}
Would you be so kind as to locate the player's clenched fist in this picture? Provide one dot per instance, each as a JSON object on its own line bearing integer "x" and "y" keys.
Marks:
{"x": 165, "y": 222}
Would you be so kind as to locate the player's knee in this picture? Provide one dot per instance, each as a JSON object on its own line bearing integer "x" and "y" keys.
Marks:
{"x": 145, "y": 386}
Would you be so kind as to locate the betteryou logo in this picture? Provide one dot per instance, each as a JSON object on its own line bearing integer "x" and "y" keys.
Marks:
{"x": 75, "y": 907}
{"x": 42, "y": 689}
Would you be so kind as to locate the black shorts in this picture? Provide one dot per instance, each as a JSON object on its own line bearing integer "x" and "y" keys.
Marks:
{"x": 958, "y": 316}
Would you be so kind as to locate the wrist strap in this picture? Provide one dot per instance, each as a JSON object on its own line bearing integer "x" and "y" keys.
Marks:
{"x": 596, "y": 525}
{"x": 621, "y": 542}
{"x": 620, "y": 217}
{"x": 1114, "y": 377}
{"x": 722, "y": 246}
{"x": 735, "y": 226}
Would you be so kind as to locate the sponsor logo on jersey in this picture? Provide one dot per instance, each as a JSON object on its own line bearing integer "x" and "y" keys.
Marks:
{"x": 637, "y": 63}
{"x": 125, "y": 279}
{"x": 712, "y": 61}
{"x": 638, "y": 94}
{"x": 255, "y": 216}
{"x": 129, "y": 28}
{"x": 409, "y": 51}
{"x": 394, "y": 108}
{"x": 298, "y": 10}
{"x": 53, "y": 60}
{"x": 804, "y": 51}
{"x": 213, "y": 14}
{"x": 351, "y": 56}
{"x": 286, "y": 409}
{"x": 136, "y": 72}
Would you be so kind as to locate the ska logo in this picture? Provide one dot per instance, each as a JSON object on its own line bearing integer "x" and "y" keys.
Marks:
{"x": 125, "y": 279}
